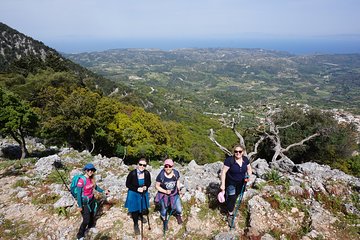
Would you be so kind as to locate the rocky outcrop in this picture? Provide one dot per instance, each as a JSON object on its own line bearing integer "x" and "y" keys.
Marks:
{"x": 307, "y": 201}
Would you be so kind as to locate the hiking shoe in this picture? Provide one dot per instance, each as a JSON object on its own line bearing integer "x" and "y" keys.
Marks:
{"x": 94, "y": 230}
{"x": 80, "y": 238}
{"x": 136, "y": 229}
{"x": 230, "y": 220}
{"x": 179, "y": 219}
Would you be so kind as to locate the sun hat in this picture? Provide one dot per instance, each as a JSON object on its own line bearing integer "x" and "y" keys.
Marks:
{"x": 169, "y": 162}
{"x": 89, "y": 166}
{"x": 221, "y": 196}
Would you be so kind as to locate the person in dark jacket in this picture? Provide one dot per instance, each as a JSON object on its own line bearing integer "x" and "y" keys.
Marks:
{"x": 235, "y": 173}
{"x": 138, "y": 182}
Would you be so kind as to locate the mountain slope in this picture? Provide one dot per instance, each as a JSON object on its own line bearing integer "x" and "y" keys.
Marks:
{"x": 22, "y": 54}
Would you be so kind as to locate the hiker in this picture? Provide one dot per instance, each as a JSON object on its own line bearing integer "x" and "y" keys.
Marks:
{"x": 86, "y": 201}
{"x": 235, "y": 172}
{"x": 168, "y": 186}
{"x": 138, "y": 182}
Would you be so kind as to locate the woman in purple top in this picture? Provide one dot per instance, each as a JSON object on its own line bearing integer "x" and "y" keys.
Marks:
{"x": 235, "y": 173}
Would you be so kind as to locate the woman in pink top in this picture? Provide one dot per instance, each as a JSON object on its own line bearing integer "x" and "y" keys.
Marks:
{"x": 87, "y": 203}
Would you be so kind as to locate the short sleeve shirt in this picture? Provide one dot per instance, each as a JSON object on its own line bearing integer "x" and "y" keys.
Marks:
{"x": 167, "y": 183}
{"x": 236, "y": 173}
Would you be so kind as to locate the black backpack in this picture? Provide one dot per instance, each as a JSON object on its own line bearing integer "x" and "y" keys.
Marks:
{"x": 162, "y": 175}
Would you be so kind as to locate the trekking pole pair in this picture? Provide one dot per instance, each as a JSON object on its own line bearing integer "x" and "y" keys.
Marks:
{"x": 238, "y": 202}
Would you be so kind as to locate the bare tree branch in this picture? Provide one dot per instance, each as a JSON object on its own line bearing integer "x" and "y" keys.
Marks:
{"x": 287, "y": 126}
{"x": 301, "y": 142}
{"x": 256, "y": 147}
{"x": 224, "y": 149}
{"x": 240, "y": 137}
{"x": 272, "y": 133}
{"x": 275, "y": 138}
{"x": 93, "y": 145}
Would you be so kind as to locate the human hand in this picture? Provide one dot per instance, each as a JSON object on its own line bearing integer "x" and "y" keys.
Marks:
{"x": 168, "y": 192}
{"x": 140, "y": 189}
{"x": 79, "y": 209}
{"x": 144, "y": 188}
{"x": 222, "y": 187}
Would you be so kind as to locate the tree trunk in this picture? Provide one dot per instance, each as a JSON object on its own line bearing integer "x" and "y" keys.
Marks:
{"x": 20, "y": 139}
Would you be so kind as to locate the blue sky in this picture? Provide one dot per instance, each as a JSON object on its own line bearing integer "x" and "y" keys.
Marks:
{"x": 61, "y": 22}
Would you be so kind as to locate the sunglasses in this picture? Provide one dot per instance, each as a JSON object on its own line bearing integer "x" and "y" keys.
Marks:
{"x": 142, "y": 165}
{"x": 167, "y": 166}
{"x": 92, "y": 170}
{"x": 238, "y": 151}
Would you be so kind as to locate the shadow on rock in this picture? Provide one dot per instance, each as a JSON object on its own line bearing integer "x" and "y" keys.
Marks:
{"x": 11, "y": 152}
{"x": 44, "y": 153}
{"x": 212, "y": 191}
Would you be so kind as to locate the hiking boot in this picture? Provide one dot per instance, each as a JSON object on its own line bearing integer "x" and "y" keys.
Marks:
{"x": 230, "y": 220}
{"x": 179, "y": 219}
{"x": 80, "y": 238}
{"x": 136, "y": 229}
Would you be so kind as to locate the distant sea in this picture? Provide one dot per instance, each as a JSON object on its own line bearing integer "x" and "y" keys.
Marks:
{"x": 294, "y": 46}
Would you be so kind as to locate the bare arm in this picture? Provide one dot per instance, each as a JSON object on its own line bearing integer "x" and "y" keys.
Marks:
{"x": 223, "y": 177}
{"x": 249, "y": 170}
{"x": 178, "y": 185}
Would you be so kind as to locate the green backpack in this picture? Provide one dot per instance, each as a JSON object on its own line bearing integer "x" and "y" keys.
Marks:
{"x": 74, "y": 182}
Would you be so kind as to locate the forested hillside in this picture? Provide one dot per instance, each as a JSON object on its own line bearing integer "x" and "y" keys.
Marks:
{"x": 240, "y": 84}
{"x": 163, "y": 104}
{"x": 45, "y": 95}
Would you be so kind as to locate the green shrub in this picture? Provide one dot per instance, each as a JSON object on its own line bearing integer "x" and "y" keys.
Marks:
{"x": 273, "y": 176}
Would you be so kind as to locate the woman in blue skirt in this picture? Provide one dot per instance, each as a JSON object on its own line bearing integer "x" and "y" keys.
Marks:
{"x": 137, "y": 201}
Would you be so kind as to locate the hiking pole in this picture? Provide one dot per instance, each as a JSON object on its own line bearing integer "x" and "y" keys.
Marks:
{"x": 238, "y": 205}
{"x": 167, "y": 215}
{"x": 57, "y": 165}
{"x": 147, "y": 215}
{"x": 165, "y": 223}
{"x": 141, "y": 215}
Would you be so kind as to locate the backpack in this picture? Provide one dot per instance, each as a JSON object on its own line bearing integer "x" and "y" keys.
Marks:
{"x": 162, "y": 175}
{"x": 74, "y": 182}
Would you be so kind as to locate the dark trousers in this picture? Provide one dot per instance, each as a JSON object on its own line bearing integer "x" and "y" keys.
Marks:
{"x": 232, "y": 192}
{"x": 135, "y": 217}
{"x": 88, "y": 214}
